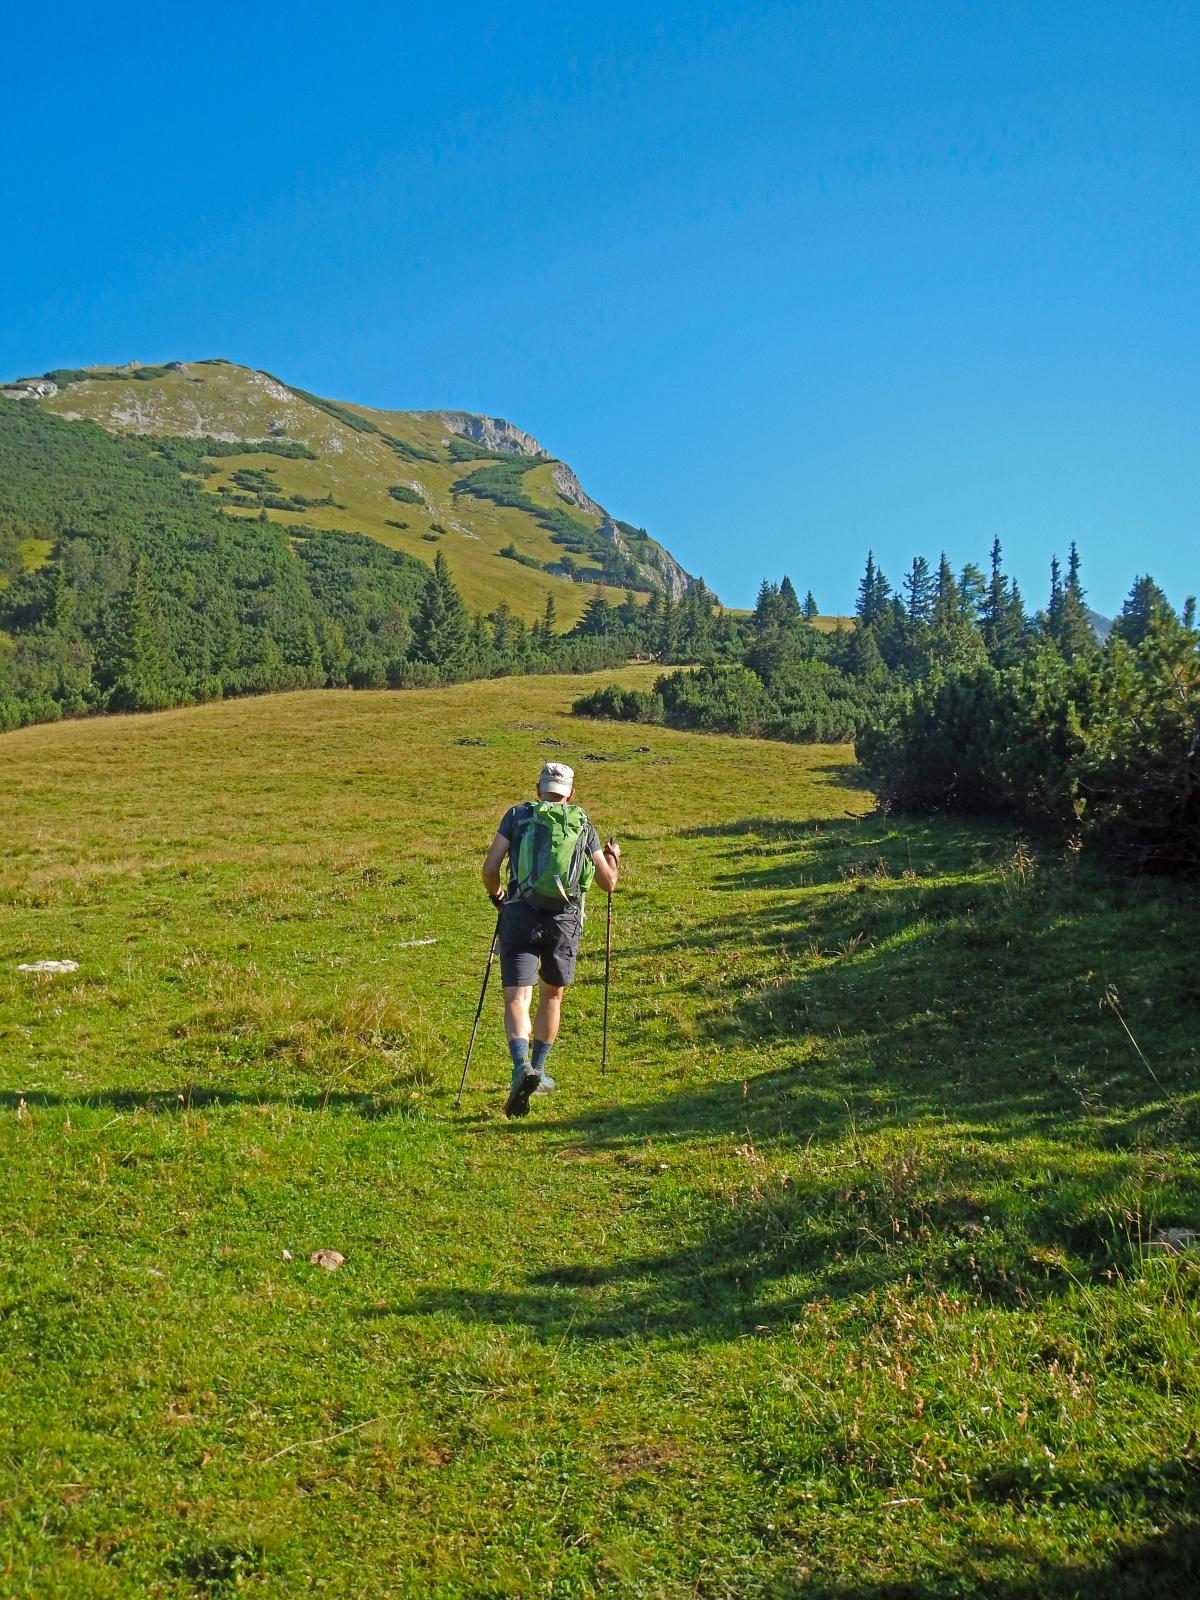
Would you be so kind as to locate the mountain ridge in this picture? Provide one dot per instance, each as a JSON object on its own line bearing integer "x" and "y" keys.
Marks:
{"x": 513, "y": 521}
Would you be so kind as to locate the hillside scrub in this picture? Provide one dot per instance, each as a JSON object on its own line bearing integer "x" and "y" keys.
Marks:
{"x": 842, "y": 1281}
{"x": 959, "y": 701}
{"x": 1104, "y": 748}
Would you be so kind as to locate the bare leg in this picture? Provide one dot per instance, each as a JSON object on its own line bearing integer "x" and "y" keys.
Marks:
{"x": 517, "y": 999}
{"x": 549, "y": 1011}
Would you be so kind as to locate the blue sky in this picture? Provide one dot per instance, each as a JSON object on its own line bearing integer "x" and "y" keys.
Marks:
{"x": 781, "y": 282}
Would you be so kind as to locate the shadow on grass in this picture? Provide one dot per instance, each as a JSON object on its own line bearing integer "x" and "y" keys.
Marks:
{"x": 164, "y": 1102}
{"x": 961, "y": 1106}
{"x": 1165, "y": 1566}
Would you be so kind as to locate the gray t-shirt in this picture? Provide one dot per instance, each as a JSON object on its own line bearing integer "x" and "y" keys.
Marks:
{"x": 513, "y": 824}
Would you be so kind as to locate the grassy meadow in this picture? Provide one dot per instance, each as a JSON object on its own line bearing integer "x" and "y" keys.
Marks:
{"x": 838, "y": 1284}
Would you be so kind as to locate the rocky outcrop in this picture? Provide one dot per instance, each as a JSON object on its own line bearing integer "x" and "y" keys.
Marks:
{"x": 572, "y": 491}
{"x": 30, "y": 389}
{"x": 492, "y": 433}
{"x": 661, "y": 569}
{"x": 655, "y": 565}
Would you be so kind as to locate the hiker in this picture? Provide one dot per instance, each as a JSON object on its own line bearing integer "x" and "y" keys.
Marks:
{"x": 554, "y": 856}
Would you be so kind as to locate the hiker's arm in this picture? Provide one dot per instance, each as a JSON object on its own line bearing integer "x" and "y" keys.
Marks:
{"x": 607, "y": 862}
{"x": 491, "y": 867}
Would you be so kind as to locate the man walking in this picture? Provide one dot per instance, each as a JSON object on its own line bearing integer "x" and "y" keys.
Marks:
{"x": 554, "y": 855}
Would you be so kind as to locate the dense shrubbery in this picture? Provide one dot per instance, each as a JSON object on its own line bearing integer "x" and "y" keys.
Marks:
{"x": 1105, "y": 747}
{"x": 959, "y": 701}
{"x": 64, "y": 376}
{"x": 407, "y": 496}
{"x": 332, "y": 409}
{"x": 198, "y": 455}
{"x": 511, "y": 553}
{"x": 407, "y": 451}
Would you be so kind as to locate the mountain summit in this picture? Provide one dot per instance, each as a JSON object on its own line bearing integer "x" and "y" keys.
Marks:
{"x": 513, "y": 522}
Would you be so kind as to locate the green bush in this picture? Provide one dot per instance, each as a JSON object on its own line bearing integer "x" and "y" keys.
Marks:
{"x": 511, "y": 553}
{"x": 1104, "y": 748}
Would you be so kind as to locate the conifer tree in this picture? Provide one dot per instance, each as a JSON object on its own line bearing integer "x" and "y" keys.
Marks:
{"x": 441, "y": 630}
{"x": 972, "y": 587}
{"x": 541, "y": 635}
{"x": 920, "y": 588}
{"x": 947, "y": 599}
{"x": 596, "y": 619}
{"x": 1072, "y": 631}
{"x": 1002, "y": 619}
{"x": 1144, "y": 605}
{"x": 666, "y": 627}
{"x": 810, "y": 607}
{"x": 789, "y": 601}
{"x": 136, "y": 661}
{"x": 874, "y": 594}
{"x": 1054, "y": 604}
{"x": 501, "y": 620}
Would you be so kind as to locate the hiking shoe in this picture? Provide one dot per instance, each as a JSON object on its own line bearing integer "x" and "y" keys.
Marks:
{"x": 545, "y": 1084}
{"x": 524, "y": 1081}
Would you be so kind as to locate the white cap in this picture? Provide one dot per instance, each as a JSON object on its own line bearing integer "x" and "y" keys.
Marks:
{"x": 556, "y": 779}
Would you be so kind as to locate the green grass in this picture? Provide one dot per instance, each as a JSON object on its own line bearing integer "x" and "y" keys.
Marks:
{"x": 31, "y": 553}
{"x": 837, "y": 1284}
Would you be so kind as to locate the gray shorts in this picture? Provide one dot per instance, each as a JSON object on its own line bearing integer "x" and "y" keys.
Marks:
{"x": 538, "y": 941}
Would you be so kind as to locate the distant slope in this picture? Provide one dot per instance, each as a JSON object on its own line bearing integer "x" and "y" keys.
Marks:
{"x": 416, "y": 481}
{"x": 1101, "y": 625}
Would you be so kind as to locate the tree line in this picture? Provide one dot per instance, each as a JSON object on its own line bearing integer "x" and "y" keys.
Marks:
{"x": 960, "y": 699}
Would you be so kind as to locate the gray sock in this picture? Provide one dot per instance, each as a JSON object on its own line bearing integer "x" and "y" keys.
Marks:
{"x": 541, "y": 1049}
{"x": 518, "y": 1049}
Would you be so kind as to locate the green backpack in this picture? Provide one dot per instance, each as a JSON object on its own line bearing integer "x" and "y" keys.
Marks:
{"x": 554, "y": 865}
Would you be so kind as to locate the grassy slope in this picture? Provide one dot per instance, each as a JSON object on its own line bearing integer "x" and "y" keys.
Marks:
{"x": 356, "y": 468}
{"x": 832, "y": 1284}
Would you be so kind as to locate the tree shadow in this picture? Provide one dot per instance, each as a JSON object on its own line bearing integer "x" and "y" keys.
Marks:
{"x": 1163, "y": 1566}
{"x": 958, "y": 1107}
{"x": 190, "y": 1097}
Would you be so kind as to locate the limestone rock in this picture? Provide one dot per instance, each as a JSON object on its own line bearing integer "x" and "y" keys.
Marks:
{"x": 492, "y": 433}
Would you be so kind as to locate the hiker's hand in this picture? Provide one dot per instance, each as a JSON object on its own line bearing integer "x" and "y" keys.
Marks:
{"x": 613, "y": 851}
{"x": 497, "y": 899}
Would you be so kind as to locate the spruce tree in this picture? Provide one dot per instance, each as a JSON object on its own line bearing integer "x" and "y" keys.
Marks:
{"x": 1054, "y": 604}
{"x": 596, "y": 619}
{"x": 1002, "y": 615}
{"x": 810, "y": 607}
{"x": 920, "y": 588}
{"x": 972, "y": 587}
{"x": 789, "y": 602}
{"x": 666, "y": 627}
{"x": 136, "y": 663}
{"x": 501, "y": 620}
{"x": 442, "y": 630}
{"x": 947, "y": 599}
{"x": 873, "y": 593}
{"x": 1145, "y": 604}
{"x": 1073, "y": 632}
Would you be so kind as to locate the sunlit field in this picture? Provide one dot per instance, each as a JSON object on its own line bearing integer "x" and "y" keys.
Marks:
{"x": 840, "y": 1282}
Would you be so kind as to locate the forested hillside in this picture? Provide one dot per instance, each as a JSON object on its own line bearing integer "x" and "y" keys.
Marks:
{"x": 512, "y": 523}
{"x": 124, "y": 585}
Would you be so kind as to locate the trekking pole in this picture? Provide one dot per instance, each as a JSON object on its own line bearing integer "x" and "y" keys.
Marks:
{"x": 487, "y": 972}
{"x": 607, "y": 974}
